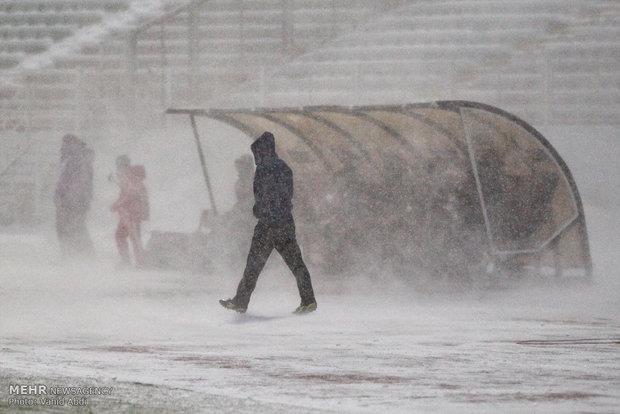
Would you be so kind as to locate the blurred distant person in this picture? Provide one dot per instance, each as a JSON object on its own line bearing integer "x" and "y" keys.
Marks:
{"x": 200, "y": 242}
{"x": 73, "y": 195}
{"x": 243, "y": 187}
{"x": 239, "y": 220}
{"x": 132, "y": 207}
{"x": 273, "y": 193}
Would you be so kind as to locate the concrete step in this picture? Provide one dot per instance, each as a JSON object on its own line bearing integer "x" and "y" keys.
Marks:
{"x": 592, "y": 99}
{"x": 475, "y": 22}
{"x": 62, "y": 5}
{"x": 76, "y": 62}
{"x": 439, "y": 36}
{"x": 10, "y": 60}
{"x": 30, "y": 46}
{"x": 590, "y": 82}
{"x": 224, "y": 5}
{"x": 55, "y": 33}
{"x": 578, "y": 115}
{"x": 408, "y": 52}
{"x": 77, "y": 18}
{"x": 481, "y": 7}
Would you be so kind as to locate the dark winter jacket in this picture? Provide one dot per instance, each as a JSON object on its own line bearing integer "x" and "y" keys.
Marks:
{"x": 74, "y": 190}
{"x": 273, "y": 182}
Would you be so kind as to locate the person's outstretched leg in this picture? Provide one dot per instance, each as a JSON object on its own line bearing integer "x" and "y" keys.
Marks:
{"x": 122, "y": 232}
{"x": 262, "y": 245}
{"x": 61, "y": 231}
{"x": 83, "y": 240}
{"x": 135, "y": 236}
{"x": 286, "y": 244}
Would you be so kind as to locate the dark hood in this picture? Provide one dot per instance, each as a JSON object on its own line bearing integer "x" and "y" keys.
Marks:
{"x": 73, "y": 148}
{"x": 264, "y": 148}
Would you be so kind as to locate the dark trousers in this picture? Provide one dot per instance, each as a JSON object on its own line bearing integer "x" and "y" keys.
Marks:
{"x": 279, "y": 236}
{"x": 73, "y": 234}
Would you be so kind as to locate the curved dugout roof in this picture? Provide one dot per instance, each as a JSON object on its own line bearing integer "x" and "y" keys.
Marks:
{"x": 526, "y": 194}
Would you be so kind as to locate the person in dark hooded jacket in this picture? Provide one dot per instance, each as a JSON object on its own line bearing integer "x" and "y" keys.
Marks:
{"x": 273, "y": 194}
{"x": 73, "y": 196}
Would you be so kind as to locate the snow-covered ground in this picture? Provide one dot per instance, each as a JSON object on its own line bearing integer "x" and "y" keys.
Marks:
{"x": 164, "y": 344}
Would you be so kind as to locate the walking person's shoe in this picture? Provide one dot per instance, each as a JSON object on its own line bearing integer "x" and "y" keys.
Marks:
{"x": 301, "y": 309}
{"x": 232, "y": 305}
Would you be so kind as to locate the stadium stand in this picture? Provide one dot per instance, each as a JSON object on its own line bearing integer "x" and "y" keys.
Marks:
{"x": 232, "y": 40}
{"x": 29, "y": 28}
{"x": 544, "y": 60}
{"x": 192, "y": 49}
{"x": 525, "y": 56}
{"x": 548, "y": 61}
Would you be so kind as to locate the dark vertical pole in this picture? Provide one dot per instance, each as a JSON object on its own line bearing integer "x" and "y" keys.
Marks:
{"x": 192, "y": 51}
{"x": 334, "y": 28}
{"x": 132, "y": 78}
{"x": 557, "y": 257}
{"x": 585, "y": 243}
{"x": 162, "y": 62}
{"x": 242, "y": 47}
{"x": 203, "y": 163}
{"x": 287, "y": 27}
{"x": 163, "y": 95}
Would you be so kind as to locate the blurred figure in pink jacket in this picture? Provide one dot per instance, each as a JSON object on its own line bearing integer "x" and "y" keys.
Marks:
{"x": 132, "y": 207}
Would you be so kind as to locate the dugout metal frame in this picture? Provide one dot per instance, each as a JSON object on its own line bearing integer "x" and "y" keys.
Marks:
{"x": 365, "y": 131}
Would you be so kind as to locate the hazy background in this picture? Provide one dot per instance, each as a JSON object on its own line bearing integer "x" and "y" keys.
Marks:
{"x": 107, "y": 70}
